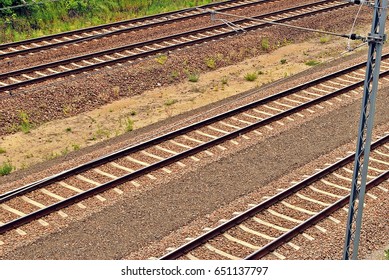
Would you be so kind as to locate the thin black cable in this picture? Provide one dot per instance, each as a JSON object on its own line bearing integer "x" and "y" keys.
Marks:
{"x": 349, "y": 36}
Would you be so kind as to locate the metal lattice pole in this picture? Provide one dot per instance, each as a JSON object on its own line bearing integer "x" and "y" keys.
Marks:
{"x": 376, "y": 40}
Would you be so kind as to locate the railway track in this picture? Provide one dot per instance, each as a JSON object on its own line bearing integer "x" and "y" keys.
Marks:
{"x": 161, "y": 154}
{"x": 265, "y": 227}
{"x": 76, "y": 36}
{"x": 23, "y": 77}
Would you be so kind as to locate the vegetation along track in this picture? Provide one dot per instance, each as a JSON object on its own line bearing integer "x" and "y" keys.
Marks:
{"x": 23, "y": 77}
{"x": 96, "y": 32}
{"x": 265, "y": 227}
{"x": 28, "y": 203}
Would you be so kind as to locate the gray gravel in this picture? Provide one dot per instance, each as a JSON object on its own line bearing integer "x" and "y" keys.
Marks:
{"x": 131, "y": 224}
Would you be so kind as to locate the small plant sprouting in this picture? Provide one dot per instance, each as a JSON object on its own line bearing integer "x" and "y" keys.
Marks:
{"x": 116, "y": 91}
{"x": 67, "y": 109}
{"x": 265, "y": 45}
{"x": 6, "y": 168}
{"x": 174, "y": 74}
{"x": 211, "y": 63}
{"x": 129, "y": 125}
{"x": 170, "y": 102}
{"x": 251, "y": 76}
{"x": 65, "y": 151}
{"x": 224, "y": 81}
{"x": 193, "y": 77}
{"x": 324, "y": 40}
{"x": 68, "y": 129}
{"x": 283, "y": 61}
{"x": 161, "y": 59}
{"x": 76, "y": 147}
{"x": 260, "y": 72}
{"x": 2, "y": 151}
{"x": 386, "y": 254}
{"x": 312, "y": 62}
{"x": 25, "y": 124}
{"x": 133, "y": 113}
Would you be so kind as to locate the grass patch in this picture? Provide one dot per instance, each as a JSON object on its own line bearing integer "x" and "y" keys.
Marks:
{"x": 251, "y": 76}
{"x": 161, "y": 59}
{"x": 386, "y": 254}
{"x": 265, "y": 45}
{"x": 174, "y": 74}
{"x": 75, "y": 147}
{"x": 58, "y": 16}
{"x": 2, "y": 151}
{"x": 6, "y": 168}
{"x": 324, "y": 40}
{"x": 224, "y": 81}
{"x": 312, "y": 62}
{"x": 193, "y": 77}
{"x": 211, "y": 63}
{"x": 129, "y": 125}
{"x": 170, "y": 102}
{"x": 25, "y": 124}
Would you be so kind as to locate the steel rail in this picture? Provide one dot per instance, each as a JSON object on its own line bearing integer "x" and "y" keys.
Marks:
{"x": 311, "y": 221}
{"x": 264, "y": 205}
{"x": 123, "y": 30}
{"x": 149, "y": 52}
{"x": 164, "y": 16}
{"x": 170, "y": 135}
{"x": 131, "y": 176}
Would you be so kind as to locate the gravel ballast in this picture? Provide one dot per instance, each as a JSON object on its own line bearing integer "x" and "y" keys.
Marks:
{"x": 131, "y": 224}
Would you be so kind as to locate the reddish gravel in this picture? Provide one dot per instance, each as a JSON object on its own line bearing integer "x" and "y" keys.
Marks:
{"x": 46, "y": 101}
{"x": 85, "y": 93}
{"x": 136, "y": 36}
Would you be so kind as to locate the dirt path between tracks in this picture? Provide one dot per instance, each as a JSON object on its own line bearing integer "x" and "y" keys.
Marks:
{"x": 59, "y": 137}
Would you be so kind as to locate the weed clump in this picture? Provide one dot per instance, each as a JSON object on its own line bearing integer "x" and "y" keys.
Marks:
{"x": 25, "y": 124}
{"x": 193, "y": 77}
{"x": 6, "y": 168}
{"x": 251, "y": 76}
{"x": 312, "y": 62}
{"x": 129, "y": 125}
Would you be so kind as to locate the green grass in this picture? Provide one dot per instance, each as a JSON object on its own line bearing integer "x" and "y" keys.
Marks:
{"x": 170, "y": 102}
{"x": 161, "y": 59}
{"x": 38, "y": 20}
{"x": 386, "y": 254}
{"x": 76, "y": 147}
{"x": 174, "y": 74}
{"x": 193, "y": 77}
{"x": 211, "y": 63}
{"x": 312, "y": 62}
{"x": 324, "y": 40}
{"x": 251, "y": 76}
{"x": 2, "y": 151}
{"x": 25, "y": 123}
{"x": 6, "y": 168}
{"x": 283, "y": 61}
{"x": 265, "y": 45}
{"x": 129, "y": 125}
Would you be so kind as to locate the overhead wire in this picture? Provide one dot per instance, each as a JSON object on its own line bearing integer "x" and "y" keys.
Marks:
{"x": 353, "y": 26}
{"x": 176, "y": 124}
{"x": 350, "y": 36}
